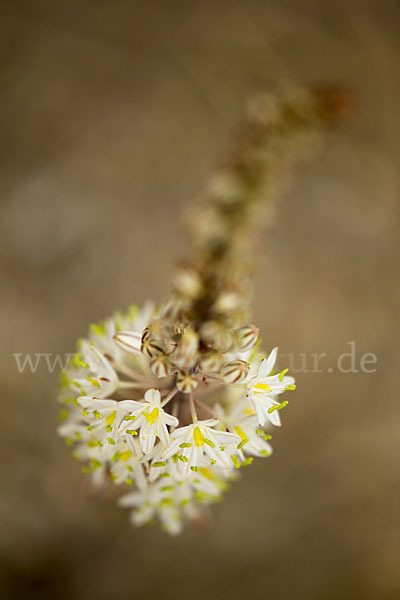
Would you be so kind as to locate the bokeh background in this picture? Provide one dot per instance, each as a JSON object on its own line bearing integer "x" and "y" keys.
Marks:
{"x": 112, "y": 115}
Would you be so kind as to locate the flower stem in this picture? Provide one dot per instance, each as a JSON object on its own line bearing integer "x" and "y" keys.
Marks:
{"x": 203, "y": 406}
{"x": 131, "y": 373}
{"x": 131, "y": 384}
{"x": 192, "y": 408}
{"x": 169, "y": 397}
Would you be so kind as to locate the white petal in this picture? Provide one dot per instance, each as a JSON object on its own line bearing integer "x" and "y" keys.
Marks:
{"x": 125, "y": 425}
{"x": 219, "y": 456}
{"x": 153, "y": 396}
{"x": 143, "y": 318}
{"x": 132, "y": 499}
{"x": 131, "y": 406}
{"x": 254, "y": 367}
{"x": 274, "y": 417}
{"x": 133, "y": 445}
{"x": 268, "y": 364}
{"x": 129, "y": 341}
{"x": 207, "y": 423}
{"x": 140, "y": 478}
{"x": 172, "y": 449}
{"x": 195, "y": 456}
{"x": 260, "y": 412}
{"x": 97, "y": 403}
{"x": 98, "y": 363}
{"x": 170, "y": 420}
{"x": 225, "y": 438}
{"x": 163, "y": 433}
{"x": 181, "y": 432}
{"x": 147, "y": 437}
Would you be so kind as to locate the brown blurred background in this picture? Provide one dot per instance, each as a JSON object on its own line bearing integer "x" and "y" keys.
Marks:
{"x": 112, "y": 115}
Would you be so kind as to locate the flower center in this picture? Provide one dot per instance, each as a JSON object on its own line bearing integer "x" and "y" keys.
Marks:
{"x": 263, "y": 387}
{"x": 151, "y": 417}
{"x": 126, "y": 455}
{"x": 111, "y": 418}
{"x": 198, "y": 437}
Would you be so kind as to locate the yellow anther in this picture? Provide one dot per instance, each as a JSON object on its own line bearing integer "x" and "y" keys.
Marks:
{"x": 240, "y": 433}
{"x": 282, "y": 374}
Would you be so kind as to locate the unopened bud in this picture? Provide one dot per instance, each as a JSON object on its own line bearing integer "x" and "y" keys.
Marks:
{"x": 187, "y": 281}
{"x": 225, "y": 187}
{"x": 246, "y": 337}
{"x": 157, "y": 339}
{"x": 235, "y": 372}
{"x": 129, "y": 341}
{"x": 264, "y": 109}
{"x": 216, "y": 335}
{"x": 160, "y": 366}
{"x": 152, "y": 347}
{"x": 173, "y": 307}
{"x": 206, "y": 223}
{"x": 185, "y": 354}
{"x": 228, "y": 301}
{"x": 211, "y": 362}
{"x": 185, "y": 382}
{"x": 158, "y": 329}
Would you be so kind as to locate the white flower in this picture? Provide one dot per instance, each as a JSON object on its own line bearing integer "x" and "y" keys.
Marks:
{"x": 73, "y": 429}
{"x": 145, "y": 501}
{"x": 129, "y": 335}
{"x": 126, "y": 465}
{"x": 154, "y": 500}
{"x": 190, "y": 443}
{"x": 102, "y": 336}
{"x": 262, "y": 387}
{"x": 96, "y": 462}
{"x": 158, "y": 468}
{"x": 209, "y": 484}
{"x": 151, "y": 420}
{"x": 170, "y": 519}
{"x": 253, "y": 439}
{"x": 239, "y": 418}
{"x": 96, "y": 377}
{"x": 104, "y": 416}
{"x": 137, "y": 319}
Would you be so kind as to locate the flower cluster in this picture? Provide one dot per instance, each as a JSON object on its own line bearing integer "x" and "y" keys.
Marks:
{"x": 179, "y": 449}
{"x": 174, "y": 400}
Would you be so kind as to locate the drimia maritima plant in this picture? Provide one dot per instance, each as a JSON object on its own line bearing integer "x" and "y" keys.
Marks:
{"x": 168, "y": 403}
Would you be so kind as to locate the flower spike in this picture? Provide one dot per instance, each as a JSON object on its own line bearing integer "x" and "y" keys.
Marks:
{"x": 169, "y": 403}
